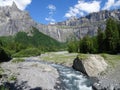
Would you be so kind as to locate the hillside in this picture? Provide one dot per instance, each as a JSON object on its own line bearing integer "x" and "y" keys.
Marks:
{"x": 29, "y": 44}
{"x": 36, "y": 38}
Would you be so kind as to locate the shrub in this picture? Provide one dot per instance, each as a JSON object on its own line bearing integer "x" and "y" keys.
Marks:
{"x": 28, "y": 52}
{"x": 4, "y": 56}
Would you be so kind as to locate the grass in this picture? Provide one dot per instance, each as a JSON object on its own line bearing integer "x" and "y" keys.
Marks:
{"x": 111, "y": 59}
{"x": 17, "y": 60}
{"x": 12, "y": 78}
{"x": 83, "y": 56}
{"x": 1, "y": 70}
{"x": 59, "y": 58}
{"x": 28, "y": 52}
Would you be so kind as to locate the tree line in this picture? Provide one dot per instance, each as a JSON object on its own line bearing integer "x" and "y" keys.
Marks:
{"x": 106, "y": 41}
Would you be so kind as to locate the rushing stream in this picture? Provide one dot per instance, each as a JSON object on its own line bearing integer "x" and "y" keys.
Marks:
{"x": 70, "y": 79}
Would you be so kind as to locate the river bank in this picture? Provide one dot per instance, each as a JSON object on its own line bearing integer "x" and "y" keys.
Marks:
{"x": 34, "y": 74}
{"x": 106, "y": 80}
{"x": 54, "y": 71}
{"x": 30, "y": 75}
{"x": 110, "y": 79}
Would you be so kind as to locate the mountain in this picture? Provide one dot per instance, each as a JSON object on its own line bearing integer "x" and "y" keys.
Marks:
{"x": 13, "y": 20}
{"x": 90, "y": 23}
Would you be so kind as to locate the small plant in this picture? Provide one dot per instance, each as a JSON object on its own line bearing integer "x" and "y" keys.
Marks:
{"x": 2, "y": 87}
{"x": 12, "y": 78}
{"x": 18, "y": 60}
{"x": 1, "y": 70}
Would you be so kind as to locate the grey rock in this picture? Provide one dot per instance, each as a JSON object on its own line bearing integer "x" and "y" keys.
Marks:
{"x": 92, "y": 66}
{"x": 78, "y": 65}
{"x": 13, "y": 20}
{"x": 31, "y": 75}
{"x": 97, "y": 86}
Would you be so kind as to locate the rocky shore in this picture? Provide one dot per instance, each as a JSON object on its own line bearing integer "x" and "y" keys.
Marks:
{"x": 109, "y": 80}
{"x": 105, "y": 76}
{"x": 33, "y": 75}
{"x": 29, "y": 76}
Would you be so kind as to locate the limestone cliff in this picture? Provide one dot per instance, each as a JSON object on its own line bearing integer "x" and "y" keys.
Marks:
{"x": 90, "y": 23}
{"x": 13, "y": 20}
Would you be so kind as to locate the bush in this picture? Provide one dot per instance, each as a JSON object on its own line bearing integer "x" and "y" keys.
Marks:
{"x": 28, "y": 52}
{"x": 73, "y": 46}
{"x": 4, "y": 56}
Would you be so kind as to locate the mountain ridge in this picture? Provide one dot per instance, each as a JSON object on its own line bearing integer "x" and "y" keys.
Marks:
{"x": 13, "y": 20}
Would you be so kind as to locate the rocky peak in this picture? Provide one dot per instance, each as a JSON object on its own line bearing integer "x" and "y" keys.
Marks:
{"x": 14, "y": 6}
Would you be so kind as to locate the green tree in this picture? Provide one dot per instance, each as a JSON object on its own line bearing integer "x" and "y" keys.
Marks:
{"x": 101, "y": 41}
{"x": 118, "y": 45}
{"x": 86, "y": 45}
{"x": 22, "y": 37}
{"x": 73, "y": 46}
{"x": 112, "y": 36}
{"x": 95, "y": 44}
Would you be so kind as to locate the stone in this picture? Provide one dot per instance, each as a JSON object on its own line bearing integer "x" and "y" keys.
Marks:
{"x": 92, "y": 66}
{"x": 32, "y": 75}
{"x": 97, "y": 86}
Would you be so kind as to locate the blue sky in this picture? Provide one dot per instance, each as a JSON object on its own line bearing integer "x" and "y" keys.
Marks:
{"x": 51, "y": 11}
{"x": 40, "y": 10}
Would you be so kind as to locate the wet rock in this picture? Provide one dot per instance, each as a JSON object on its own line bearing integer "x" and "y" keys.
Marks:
{"x": 97, "y": 86}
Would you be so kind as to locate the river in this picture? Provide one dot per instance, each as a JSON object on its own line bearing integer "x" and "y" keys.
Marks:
{"x": 69, "y": 78}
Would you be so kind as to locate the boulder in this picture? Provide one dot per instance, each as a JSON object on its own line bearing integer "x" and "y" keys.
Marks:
{"x": 91, "y": 66}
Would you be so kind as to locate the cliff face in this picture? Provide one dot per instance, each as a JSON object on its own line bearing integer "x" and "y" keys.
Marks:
{"x": 90, "y": 23}
{"x": 13, "y": 20}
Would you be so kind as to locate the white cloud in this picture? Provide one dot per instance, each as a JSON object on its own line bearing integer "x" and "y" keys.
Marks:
{"x": 88, "y": 7}
{"x": 51, "y": 7}
{"x": 21, "y": 4}
{"x": 109, "y": 4}
{"x": 117, "y": 3}
{"x": 83, "y": 7}
{"x": 52, "y": 10}
{"x": 50, "y": 20}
